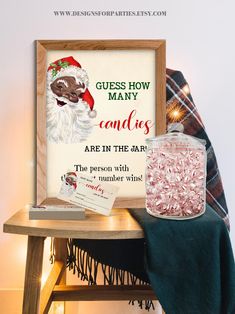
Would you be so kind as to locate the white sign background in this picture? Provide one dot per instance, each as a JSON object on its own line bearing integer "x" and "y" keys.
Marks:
{"x": 109, "y": 66}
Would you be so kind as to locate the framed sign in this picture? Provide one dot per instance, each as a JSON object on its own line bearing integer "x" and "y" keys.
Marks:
{"x": 97, "y": 102}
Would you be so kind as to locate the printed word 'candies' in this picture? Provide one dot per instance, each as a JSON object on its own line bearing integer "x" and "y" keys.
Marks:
{"x": 175, "y": 179}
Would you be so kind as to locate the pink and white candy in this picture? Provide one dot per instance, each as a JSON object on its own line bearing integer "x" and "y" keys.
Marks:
{"x": 175, "y": 180}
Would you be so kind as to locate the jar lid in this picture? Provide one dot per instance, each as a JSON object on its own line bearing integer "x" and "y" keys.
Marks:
{"x": 175, "y": 134}
{"x": 175, "y": 127}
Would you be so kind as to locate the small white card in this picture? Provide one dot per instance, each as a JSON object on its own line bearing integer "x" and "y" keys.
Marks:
{"x": 88, "y": 193}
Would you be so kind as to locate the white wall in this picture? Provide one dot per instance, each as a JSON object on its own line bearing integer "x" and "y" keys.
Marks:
{"x": 200, "y": 43}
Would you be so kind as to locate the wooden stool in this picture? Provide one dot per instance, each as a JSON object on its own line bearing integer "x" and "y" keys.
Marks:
{"x": 119, "y": 225}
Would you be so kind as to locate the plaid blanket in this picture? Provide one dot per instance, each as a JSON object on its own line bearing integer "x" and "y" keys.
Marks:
{"x": 178, "y": 96}
{"x": 120, "y": 259}
{"x": 189, "y": 263}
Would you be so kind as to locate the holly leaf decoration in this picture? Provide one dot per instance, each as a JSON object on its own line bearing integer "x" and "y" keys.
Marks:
{"x": 56, "y": 67}
{"x": 62, "y": 64}
{"x": 54, "y": 72}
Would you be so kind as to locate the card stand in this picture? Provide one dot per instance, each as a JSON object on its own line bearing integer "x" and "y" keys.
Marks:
{"x": 56, "y": 212}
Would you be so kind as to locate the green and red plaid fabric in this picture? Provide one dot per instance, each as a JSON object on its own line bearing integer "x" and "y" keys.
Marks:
{"x": 178, "y": 97}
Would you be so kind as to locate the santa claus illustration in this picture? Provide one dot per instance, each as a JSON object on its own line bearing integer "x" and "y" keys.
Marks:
{"x": 70, "y": 105}
{"x": 69, "y": 184}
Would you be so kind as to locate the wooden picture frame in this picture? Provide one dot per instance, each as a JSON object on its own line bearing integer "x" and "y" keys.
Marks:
{"x": 44, "y": 47}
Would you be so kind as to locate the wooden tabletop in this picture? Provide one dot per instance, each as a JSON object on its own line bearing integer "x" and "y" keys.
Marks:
{"x": 119, "y": 225}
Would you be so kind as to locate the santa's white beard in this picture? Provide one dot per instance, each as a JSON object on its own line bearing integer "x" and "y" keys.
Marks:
{"x": 66, "y": 189}
{"x": 69, "y": 123}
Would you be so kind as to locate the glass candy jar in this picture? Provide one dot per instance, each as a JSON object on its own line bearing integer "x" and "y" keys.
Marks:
{"x": 175, "y": 175}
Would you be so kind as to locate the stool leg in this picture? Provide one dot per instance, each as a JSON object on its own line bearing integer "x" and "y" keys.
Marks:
{"x": 61, "y": 255}
{"x": 33, "y": 273}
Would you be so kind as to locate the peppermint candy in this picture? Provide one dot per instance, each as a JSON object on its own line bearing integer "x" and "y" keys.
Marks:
{"x": 175, "y": 180}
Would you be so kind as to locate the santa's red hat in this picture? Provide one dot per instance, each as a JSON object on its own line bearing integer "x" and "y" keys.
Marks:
{"x": 70, "y": 67}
